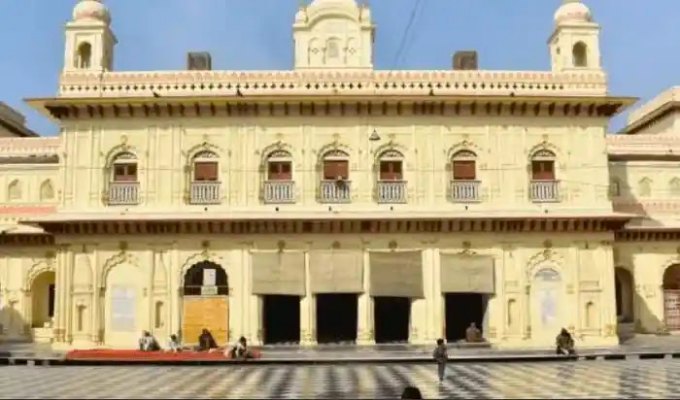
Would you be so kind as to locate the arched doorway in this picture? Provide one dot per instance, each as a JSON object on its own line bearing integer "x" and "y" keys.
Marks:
{"x": 671, "y": 297}
{"x": 123, "y": 306}
{"x": 546, "y": 300}
{"x": 205, "y": 303}
{"x": 42, "y": 300}
{"x": 624, "y": 285}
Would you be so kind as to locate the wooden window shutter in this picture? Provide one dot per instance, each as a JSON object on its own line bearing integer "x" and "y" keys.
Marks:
{"x": 205, "y": 171}
{"x": 280, "y": 171}
{"x": 543, "y": 170}
{"x": 125, "y": 172}
{"x": 333, "y": 170}
{"x": 390, "y": 171}
{"x": 464, "y": 170}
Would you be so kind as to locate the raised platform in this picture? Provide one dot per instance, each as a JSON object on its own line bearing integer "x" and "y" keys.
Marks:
{"x": 641, "y": 348}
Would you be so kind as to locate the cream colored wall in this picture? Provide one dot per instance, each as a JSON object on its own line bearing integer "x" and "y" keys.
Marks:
{"x": 19, "y": 269}
{"x": 503, "y": 146}
{"x": 27, "y": 184}
{"x": 662, "y": 178}
{"x": 647, "y": 262}
{"x": 583, "y": 261}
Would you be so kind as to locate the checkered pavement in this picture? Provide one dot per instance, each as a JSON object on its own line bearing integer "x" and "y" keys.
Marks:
{"x": 594, "y": 379}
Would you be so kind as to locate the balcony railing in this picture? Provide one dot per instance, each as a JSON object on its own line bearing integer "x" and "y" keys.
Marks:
{"x": 464, "y": 191}
{"x": 544, "y": 191}
{"x": 335, "y": 191}
{"x": 391, "y": 192}
{"x": 277, "y": 192}
{"x": 123, "y": 193}
{"x": 205, "y": 193}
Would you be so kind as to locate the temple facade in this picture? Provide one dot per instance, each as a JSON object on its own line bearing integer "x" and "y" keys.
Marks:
{"x": 334, "y": 202}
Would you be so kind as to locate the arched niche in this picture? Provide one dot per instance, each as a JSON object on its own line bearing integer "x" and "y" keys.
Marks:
{"x": 43, "y": 298}
{"x": 547, "y": 299}
{"x": 123, "y": 305}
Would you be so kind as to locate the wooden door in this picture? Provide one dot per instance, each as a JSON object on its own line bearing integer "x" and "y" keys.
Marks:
{"x": 672, "y": 309}
{"x": 205, "y": 312}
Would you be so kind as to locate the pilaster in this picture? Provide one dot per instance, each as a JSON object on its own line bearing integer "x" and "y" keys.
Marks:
{"x": 365, "y": 323}
{"x": 308, "y": 311}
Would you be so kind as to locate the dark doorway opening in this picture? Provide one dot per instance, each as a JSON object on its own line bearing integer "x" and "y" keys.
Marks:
{"x": 336, "y": 318}
{"x": 391, "y": 317}
{"x": 281, "y": 318}
{"x": 51, "y": 301}
{"x": 461, "y": 310}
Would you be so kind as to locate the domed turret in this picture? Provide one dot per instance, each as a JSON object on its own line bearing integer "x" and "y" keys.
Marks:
{"x": 91, "y": 10}
{"x": 573, "y": 11}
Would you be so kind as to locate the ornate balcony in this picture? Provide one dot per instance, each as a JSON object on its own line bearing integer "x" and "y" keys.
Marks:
{"x": 123, "y": 193}
{"x": 464, "y": 191}
{"x": 333, "y": 191}
{"x": 205, "y": 193}
{"x": 547, "y": 191}
{"x": 391, "y": 192}
{"x": 278, "y": 192}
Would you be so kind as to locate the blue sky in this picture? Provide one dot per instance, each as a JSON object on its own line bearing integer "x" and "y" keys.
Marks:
{"x": 640, "y": 39}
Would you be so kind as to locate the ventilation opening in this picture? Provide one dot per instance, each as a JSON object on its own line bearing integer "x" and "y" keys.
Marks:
{"x": 462, "y": 309}
{"x": 281, "y": 319}
{"x": 392, "y": 317}
{"x": 336, "y": 318}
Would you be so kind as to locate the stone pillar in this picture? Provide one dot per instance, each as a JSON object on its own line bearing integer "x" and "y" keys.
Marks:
{"x": 61, "y": 288}
{"x": 438, "y": 305}
{"x": 95, "y": 310}
{"x": 308, "y": 311}
{"x": 175, "y": 292}
{"x": 366, "y": 323}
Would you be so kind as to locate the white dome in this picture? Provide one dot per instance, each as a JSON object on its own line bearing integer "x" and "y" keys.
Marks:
{"x": 89, "y": 10}
{"x": 573, "y": 11}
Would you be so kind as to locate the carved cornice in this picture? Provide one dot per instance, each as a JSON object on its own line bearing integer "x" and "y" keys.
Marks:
{"x": 309, "y": 105}
{"x": 350, "y": 225}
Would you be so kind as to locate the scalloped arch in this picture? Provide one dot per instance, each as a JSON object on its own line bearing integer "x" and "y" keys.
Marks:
{"x": 38, "y": 268}
{"x": 118, "y": 150}
{"x": 391, "y": 146}
{"x": 277, "y": 146}
{"x": 335, "y": 146}
{"x": 544, "y": 145}
{"x": 464, "y": 145}
{"x": 543, "y": 259}
{"x": 200, "y": 257}
{"x": 202, "y": 147}
{"x": 115, "y": 260}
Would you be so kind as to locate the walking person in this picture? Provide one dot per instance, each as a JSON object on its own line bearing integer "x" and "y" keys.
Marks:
{"x": 441, "y": 356}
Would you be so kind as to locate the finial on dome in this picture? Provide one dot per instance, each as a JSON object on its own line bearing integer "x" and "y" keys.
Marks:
{"x": 91, "y": 10}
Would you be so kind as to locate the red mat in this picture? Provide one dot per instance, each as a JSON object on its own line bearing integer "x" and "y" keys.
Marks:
{"x": 136, "y": 355}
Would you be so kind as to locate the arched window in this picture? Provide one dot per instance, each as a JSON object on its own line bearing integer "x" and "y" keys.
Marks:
{"x": 125, "y": 168}
{"x": 674, "y": 185}
{"x": 391, "y": 166}
{"x": 543, "y": 165}
{"x": 464, "y": 166}
{"x": 580, "y": 55}
{"x": 84, "y": 58}
{"x": 46, "y": 191}
{"x": 335, "y": 166}
{"x": 14, "y": 191}
{"x": 279, "y": 166}
{"x": 645, "y": 187}
{"x": 332, "y": 49}
{"x": 205, "y": 166}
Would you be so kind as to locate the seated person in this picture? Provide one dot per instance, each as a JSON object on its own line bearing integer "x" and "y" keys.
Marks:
{"x": 240, "y": 350}
{"x": 473, "y": 334}
{"x": 565, "y": 343}
{"x": 206, "y": 342}
{"x": 173, "y": 344}
{"x": 148, "y": 343}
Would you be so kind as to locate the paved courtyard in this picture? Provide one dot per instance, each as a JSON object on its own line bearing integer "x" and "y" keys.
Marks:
{"x": 594, "y": 379}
